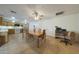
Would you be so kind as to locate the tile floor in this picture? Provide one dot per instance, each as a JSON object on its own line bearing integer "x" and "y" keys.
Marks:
{"x": 19, "y": 45}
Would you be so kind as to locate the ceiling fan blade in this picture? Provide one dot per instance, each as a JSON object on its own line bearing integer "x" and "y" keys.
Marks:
{"x": 41, "y": 15}
{"x": 36, "y": 13}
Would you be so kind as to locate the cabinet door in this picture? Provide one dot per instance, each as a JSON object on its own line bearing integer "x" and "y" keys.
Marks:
{"x": 4, "y": 23}
{"x": 11, "y": 31}
{"x": 10, "y": 23}
{"x": 2, "y": 40}
{"x": 0, "y": 20}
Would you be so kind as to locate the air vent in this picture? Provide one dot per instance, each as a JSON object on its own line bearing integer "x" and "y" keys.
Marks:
{"x": 59, "y": 13}
{"x": 12, "y": 11}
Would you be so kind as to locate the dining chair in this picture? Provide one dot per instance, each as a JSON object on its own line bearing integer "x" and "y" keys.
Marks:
{"x": 42, "y": 38}
{"x": 44, "y": 34}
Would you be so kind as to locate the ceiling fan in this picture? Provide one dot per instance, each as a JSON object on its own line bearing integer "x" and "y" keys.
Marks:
{"x": 37, "y": 16}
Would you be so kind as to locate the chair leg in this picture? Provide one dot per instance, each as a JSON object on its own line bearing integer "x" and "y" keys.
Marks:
{"x": 70, "y": 43}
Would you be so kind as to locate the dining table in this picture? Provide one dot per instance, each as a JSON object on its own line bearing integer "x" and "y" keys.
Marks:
{"x": 36, "y": 34}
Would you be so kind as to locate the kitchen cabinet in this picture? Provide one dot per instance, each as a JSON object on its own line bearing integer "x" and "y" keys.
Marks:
{"x": 2, "y": 40}
{"x": 1, "y": 20}
{"x": 3, "y": 37}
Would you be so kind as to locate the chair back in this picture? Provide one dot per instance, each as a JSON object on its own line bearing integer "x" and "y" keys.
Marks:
{"x": 44, "y": 34}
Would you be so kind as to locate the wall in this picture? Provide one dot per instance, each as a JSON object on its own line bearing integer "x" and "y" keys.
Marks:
{"x": 69, "y": 22}
{"x": 34, "y": 23}
{"x": 77, "y": 28}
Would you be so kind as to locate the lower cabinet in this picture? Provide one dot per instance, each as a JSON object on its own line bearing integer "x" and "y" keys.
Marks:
{"x": 11, "y": 31}
{"x": 2, "y": 40}
{"x": 1, "y": 20}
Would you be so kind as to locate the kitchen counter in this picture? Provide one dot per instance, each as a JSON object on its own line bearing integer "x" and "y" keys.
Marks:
{"x": 4, "y": 33}
{"x": 3, "y": 30}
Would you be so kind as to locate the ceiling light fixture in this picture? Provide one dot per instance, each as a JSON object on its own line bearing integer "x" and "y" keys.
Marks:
{"x": 37, "y": 16}
{"x": 13, "y": 18}
{"x": 13, "y": 21}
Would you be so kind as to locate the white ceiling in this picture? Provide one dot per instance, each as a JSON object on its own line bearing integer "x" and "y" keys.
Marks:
{"x": 24, "y": 11}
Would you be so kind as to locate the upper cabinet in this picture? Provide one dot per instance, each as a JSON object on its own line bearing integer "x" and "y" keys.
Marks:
{"x": 10, "y": 24}
{"x": 5, "y": 23}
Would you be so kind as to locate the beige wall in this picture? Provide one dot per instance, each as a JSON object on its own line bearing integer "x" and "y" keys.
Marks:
{"x": 69, "y": 22}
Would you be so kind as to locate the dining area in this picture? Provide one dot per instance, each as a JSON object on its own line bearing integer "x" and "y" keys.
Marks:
{"x": 38, "y": 37}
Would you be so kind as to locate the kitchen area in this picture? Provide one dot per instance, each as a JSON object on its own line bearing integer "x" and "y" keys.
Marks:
{"x": 6, "y": 29}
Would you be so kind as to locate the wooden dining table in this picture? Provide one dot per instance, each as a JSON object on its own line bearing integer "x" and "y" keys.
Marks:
{"x": 36, "y": 34}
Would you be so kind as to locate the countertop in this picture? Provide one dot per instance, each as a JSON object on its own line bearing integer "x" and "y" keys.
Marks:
{"x": 3, "y": 30}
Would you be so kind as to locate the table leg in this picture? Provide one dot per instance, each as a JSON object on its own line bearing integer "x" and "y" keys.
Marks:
{"x": 38, "y": 43}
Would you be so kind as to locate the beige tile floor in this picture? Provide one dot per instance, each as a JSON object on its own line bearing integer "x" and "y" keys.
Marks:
{"x": 19, "y": 45}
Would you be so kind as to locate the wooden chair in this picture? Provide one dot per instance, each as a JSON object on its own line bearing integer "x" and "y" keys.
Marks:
{"x": 42, "y": 38}
{"x": 29, "y": 36}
